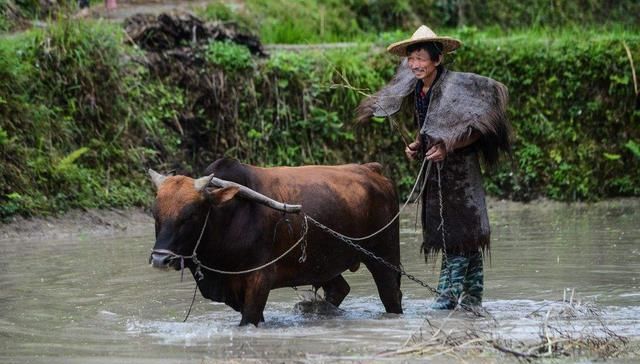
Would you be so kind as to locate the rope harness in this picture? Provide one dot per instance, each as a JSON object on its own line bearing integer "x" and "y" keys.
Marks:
{"x": 198, "y": 275}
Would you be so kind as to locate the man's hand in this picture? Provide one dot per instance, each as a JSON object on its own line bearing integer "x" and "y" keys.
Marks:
{"x": 412, "y": 150}
{"x": 436, "y": 153}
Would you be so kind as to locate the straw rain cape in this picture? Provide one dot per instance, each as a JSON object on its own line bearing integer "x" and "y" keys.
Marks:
{"x": 460, "y": 103}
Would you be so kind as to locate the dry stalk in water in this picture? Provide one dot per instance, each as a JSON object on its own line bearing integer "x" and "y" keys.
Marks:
{"x": 567, "y": 329}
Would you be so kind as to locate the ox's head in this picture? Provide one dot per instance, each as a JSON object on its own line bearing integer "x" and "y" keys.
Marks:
{"x": 180, "y": 209}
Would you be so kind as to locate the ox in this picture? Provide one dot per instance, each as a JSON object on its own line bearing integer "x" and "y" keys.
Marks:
{"x": 240, "y": 233}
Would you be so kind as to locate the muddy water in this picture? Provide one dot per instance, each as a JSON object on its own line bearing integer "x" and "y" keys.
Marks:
{"x": 95, "y": 300}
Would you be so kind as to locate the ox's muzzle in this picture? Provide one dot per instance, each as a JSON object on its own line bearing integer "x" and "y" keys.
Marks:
{"x": 165, "y": 259}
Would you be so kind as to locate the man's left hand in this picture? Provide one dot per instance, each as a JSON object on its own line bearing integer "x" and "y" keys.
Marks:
{"x": 436, "y": 153}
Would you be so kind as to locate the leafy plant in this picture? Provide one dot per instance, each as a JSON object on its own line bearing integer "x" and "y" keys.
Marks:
{"x": 81, "y": 121}
{"x": 229, "y": 56}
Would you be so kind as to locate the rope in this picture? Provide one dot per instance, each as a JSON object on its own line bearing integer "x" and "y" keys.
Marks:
{"x": 349, "y": 240}
{"x": 199, "y": 264}
{"x": 304, "y": 234}
{"x": 193, "y": 300}
{"x": 337, "y": 234}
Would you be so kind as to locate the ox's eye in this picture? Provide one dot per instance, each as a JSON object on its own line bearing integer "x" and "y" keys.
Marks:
{"x": 188, "y": 217}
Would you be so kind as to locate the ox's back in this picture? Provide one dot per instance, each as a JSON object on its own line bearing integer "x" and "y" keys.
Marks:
{"x": 319, "y": 189}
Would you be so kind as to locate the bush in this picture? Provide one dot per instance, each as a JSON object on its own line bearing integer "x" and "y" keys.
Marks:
{"x": 573, "y": 108}
{"x": 229, "y": 56}
{"x": 80, "y": 121}
{"x": 319, "y": 21}
{"x": 65, "y": 118}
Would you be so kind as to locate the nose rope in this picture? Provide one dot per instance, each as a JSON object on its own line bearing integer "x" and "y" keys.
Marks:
{"x": 198, "y": 274}
{"x": 204, "y": 226}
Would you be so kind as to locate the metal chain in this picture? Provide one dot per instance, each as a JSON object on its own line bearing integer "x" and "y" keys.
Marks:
{"x": 198, "y": 275}
{"x": 303, "y": 244}
{"x": 350, "y": 240}
{"x": 441, "y": 227}
{"x": 370, "y": 254}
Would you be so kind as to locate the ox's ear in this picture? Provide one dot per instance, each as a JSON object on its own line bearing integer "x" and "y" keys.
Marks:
{"x": 218, "y": 196}
{"x": 156, "y": 178}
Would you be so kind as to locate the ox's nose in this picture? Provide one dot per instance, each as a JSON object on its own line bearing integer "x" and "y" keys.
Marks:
{"x": 159, "y": 260}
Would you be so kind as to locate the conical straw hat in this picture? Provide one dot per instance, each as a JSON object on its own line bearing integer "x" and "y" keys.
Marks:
{"x": 423, "y": 34}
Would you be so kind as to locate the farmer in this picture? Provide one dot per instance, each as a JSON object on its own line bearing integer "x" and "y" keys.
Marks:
{"x": 459, "y": 117}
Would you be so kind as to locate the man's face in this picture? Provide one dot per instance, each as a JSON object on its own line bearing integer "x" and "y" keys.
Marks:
{"x": 421, "y": 64}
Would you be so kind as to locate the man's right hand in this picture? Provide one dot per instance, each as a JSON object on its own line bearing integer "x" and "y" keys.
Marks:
{"x": 412, "y": 150}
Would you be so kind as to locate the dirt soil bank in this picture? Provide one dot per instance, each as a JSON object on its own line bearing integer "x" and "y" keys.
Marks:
{"x": 86, "y": 223}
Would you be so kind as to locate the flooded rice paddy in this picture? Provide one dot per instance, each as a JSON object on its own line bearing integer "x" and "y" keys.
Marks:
{"x": 88, "y": 299}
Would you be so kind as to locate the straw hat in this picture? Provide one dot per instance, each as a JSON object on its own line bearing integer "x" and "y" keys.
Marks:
{"x": 423, "y": 34}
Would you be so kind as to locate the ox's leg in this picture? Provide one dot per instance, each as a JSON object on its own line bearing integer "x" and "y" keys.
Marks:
{"x": 388, "y": 283}
{"x": 335, "y": 290}
{"x": 255, "y": 298}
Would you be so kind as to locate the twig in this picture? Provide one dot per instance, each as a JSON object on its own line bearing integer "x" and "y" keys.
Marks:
{"x": 518, "y": 354}
{"x": 633, "y": 69}
{"x": 545, "y": 329}
{"x": 573, "y": 291}
{"x": 559, "y": 336}
{"x": 360, "y": 91}
{"x": 363, "y": 93}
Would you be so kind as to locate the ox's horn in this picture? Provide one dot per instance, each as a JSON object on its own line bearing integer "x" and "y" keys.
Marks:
{"x": 246, "y": 192}
{"x": 202, "y": 182}
{"x": 156, "y": 177}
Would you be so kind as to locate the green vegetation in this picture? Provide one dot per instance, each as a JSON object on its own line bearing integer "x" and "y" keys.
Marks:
{"x": 319, "y": 21}
{"x": 68, "y": 137}
{"x": 572, "y": 103}
{"x": 229, "y": 56}
{"x": 282, "y": 21}
{"x": 505, "y": 14}
{"x": 82, "y": 117}
{"x": 315, "y": 21}
{"x": 15, "y": 13}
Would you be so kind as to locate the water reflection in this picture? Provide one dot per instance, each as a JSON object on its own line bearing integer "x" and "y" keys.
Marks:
{"x": 96, "y": 300}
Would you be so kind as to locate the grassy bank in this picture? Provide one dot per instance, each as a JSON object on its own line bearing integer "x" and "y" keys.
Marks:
{"x": 83, "y": 116}
{"x": 302, "y": 21}
{"x": 318, "y": 21}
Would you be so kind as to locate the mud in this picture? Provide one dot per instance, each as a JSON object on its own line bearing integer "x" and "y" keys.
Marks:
{"x": 172, "y": 30}
{"x": 86, "y": 223}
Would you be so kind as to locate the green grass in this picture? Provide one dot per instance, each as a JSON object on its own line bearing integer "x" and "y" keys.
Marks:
{"x": 283, "y": 21}
{"x": 79, "y": 122}
{"x": 321, "y": 21}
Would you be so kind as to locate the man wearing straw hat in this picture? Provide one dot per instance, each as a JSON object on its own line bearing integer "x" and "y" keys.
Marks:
{"x": 459, "y": 117}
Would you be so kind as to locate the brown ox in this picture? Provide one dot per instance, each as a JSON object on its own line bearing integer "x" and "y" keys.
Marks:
{"x": 355, "y": 200}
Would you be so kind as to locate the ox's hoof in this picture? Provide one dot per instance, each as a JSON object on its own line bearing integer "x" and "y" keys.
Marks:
{"x": 317, "y": 307}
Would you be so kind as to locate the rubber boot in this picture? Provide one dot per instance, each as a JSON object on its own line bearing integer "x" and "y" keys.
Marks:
{"x": 451, "y": 281}
{"x": 473, "y": 284}
{"x": 443, "y": 281}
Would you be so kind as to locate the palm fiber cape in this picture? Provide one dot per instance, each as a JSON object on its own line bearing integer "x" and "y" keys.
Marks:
{"x": 460, "y": 103}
